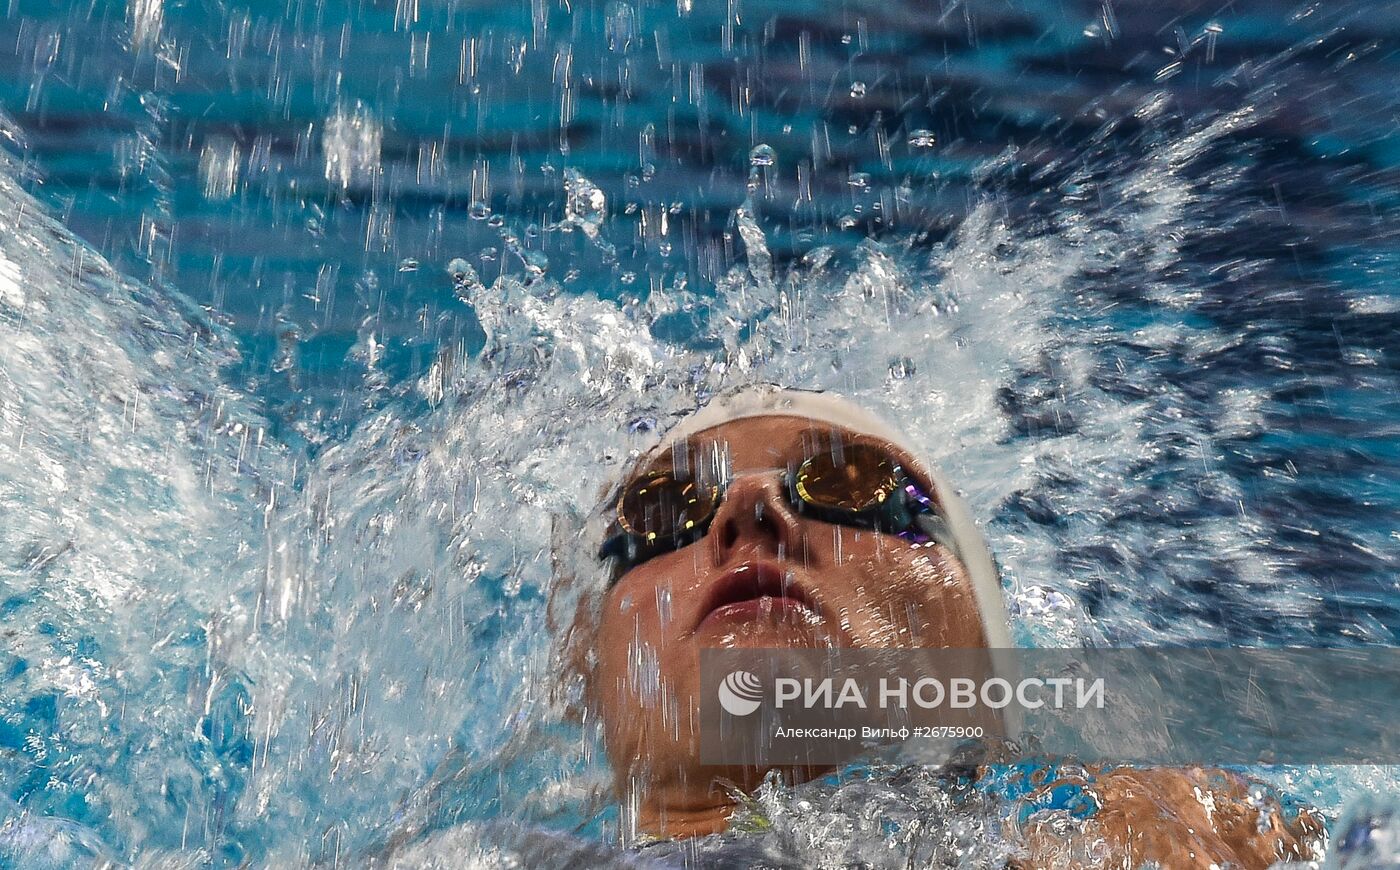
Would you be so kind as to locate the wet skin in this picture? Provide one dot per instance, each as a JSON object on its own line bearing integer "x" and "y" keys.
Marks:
{"x": 764, "y": 577}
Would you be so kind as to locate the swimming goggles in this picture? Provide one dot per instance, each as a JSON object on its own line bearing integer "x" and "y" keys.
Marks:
{"x": 856, "y": 485}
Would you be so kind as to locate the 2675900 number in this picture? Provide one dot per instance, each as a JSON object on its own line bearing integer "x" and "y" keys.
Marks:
{"x": 948, "y": 732}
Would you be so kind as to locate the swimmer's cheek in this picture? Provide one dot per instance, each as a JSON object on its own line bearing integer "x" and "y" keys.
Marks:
{"x": 1178, "y": 818}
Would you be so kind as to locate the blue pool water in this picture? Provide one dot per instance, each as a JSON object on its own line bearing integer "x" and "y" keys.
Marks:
{"x": 318, "y": 319}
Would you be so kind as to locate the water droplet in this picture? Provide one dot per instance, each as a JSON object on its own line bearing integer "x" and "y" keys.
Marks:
{"x": 627, "y": 277}
{"x": 408, "y": 264}
{"x": 289, "y": 336}
{"x": 465, "y": 281}
{"x": 488, "y": 255}
{"x": 857, "y": 90}
{"x": 145, "y": 18}
{"x": 901, "y": 368}
{"x": 496, "y": 221}
{"x": 763, "y": 155}
{"x": 479, "y": 210}
{"x": 621, "y": 26}
{"x": 352, "y": 142}
{"x": 586, "y": 206}
{"x": 1168, "y": 71}
{"x": 218, "y": 168}
{"x": 859, "y": 180}
{"x": 1212, "y": 33}
{"x": 536, "y": 263}
{"x": 922, "y": 139}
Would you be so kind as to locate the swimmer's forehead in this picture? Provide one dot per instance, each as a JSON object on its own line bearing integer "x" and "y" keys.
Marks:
{"x": 772, "y": 441}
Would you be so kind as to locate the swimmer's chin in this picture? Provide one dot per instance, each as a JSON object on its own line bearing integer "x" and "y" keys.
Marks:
{"x": 687, "y": 823}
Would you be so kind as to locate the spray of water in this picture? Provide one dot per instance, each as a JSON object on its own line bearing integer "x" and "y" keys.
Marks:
{"x": 353, "y": 660}
{"x": 134, "y": 488}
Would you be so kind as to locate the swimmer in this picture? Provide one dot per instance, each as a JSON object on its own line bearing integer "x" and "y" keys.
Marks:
{"x": 787, "y": 552}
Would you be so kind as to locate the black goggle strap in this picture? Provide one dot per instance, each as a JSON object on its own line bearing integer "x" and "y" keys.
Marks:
{"x": 628, "y": 550}
{"x": 632, "y": 548}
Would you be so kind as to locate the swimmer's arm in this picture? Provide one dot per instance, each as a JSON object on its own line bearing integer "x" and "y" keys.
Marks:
{"x": 1178, "y": 818}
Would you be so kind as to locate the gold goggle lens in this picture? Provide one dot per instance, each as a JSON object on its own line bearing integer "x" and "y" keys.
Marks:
{"x": 858, "y": 478}
{"x": 660, "y": 506}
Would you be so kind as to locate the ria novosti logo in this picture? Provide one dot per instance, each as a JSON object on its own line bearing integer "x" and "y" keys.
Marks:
{"x": 740, "y": 693}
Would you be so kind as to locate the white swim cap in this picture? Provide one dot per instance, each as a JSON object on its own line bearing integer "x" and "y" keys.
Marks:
{"x": 968, "y": 543}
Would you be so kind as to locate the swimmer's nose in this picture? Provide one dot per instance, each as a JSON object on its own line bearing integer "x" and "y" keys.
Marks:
{"x": 755, "y": 513}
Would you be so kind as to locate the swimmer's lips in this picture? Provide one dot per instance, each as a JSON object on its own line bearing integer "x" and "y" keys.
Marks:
{"x": 757, "y": 590}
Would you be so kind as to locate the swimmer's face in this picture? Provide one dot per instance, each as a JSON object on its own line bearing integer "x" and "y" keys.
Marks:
{"x": 762, "y": 577}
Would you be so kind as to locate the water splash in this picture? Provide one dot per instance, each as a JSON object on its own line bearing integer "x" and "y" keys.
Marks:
{"x": 465, "y": 282}
{"x": 134, "y": 493}
{"x": 762, "y": 158}
{"x": 877, "y": 818}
